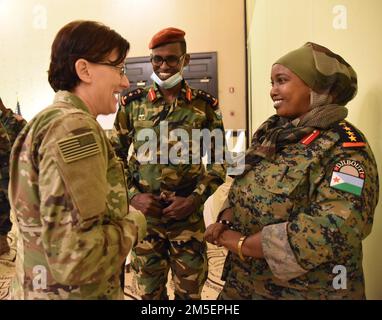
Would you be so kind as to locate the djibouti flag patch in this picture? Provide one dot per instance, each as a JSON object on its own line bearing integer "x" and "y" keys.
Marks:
{"x": 348, "y": 176}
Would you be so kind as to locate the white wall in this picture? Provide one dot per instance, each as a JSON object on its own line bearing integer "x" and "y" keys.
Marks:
{"x": 28, "y": 27}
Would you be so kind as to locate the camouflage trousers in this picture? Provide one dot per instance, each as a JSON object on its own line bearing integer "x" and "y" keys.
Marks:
{"x": 166, "y": 247}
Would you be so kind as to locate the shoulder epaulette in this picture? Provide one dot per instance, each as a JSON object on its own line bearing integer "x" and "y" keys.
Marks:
{"x": 131, "y": 96}
{"x": 207, "y": 97}
{"x": 349, "y": 135}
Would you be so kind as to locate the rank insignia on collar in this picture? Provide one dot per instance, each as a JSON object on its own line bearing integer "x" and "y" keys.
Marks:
{"x": 349, "y": 176}
{"x": 310, "y": 137}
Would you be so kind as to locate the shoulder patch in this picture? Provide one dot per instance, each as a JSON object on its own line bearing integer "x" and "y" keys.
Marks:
{"x": 349, "y": 176}
{"x": 349, "y": 135}
{"x": 207, "y": 97}
{"x": 78, "y": 147}
{"x": 130, "y": 96}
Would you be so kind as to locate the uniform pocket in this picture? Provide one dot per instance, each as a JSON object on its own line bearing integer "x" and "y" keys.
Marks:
{"x": 282, "y": 179}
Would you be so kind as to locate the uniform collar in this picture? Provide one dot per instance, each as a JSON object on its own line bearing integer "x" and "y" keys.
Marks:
{"x": 154, "y": 93}
{"x": 70, "y": 98}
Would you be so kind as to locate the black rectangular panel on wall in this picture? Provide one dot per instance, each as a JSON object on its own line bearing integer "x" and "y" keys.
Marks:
{"x": 201, "y": 73}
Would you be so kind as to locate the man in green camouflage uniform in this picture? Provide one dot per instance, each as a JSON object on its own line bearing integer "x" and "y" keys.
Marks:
{"x": 67, "y": 187}
{"x": 10, "y": 126}
{"x": 172, "y": 192}
{"x": 307, "y": 197}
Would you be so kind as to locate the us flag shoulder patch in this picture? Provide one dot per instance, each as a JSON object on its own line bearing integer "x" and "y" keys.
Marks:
{"x": 78, "y": 147}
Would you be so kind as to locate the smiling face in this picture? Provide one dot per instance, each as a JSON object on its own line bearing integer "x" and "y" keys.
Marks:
{"x": 108, "y": 82}
{"x": 170, "y": 50}
{"x": 291, "y": 96}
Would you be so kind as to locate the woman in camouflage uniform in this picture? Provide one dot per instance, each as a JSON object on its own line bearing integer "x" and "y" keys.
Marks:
{"x": 67, "y": 189}
{"x": 306, "y": 200}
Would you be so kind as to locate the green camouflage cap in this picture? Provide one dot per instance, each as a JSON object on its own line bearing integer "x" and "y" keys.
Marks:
{"x": 323, "y": 71}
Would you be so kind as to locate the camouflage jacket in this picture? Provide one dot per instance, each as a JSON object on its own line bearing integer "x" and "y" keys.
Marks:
{"x": 68, "y": 194}
{"x": 144, "y": 112}
{"x": 10, "y": 126}
{"x": 314, "y": 205}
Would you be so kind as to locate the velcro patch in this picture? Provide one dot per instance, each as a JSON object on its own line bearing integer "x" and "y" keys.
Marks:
{"x": 78, "y": 147}
{"x": 349, "y": 176}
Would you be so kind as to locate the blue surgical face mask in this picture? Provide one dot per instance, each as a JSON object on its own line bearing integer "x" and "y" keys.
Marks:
{"x": 170, "y": 82}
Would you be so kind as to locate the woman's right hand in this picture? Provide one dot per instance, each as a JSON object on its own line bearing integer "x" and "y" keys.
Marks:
{"x": 214, "y": 231}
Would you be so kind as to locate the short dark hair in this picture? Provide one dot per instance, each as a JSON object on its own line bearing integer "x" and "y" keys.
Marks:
{"x": 89, "y": 40}
{"x": 183, "y": 46}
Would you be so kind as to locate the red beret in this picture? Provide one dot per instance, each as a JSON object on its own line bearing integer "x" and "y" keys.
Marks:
{"x": 167, "y": 35}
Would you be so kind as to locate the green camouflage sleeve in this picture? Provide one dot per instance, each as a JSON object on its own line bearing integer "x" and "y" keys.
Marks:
{"x": 86, "y": 229}
{"x": 122, "y": 138}
{"x": 216, "y": 168}
{"x": 341, "y": 217}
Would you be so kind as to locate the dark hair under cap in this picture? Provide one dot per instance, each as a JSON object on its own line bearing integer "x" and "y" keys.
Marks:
{"x": 323, "y": 71}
